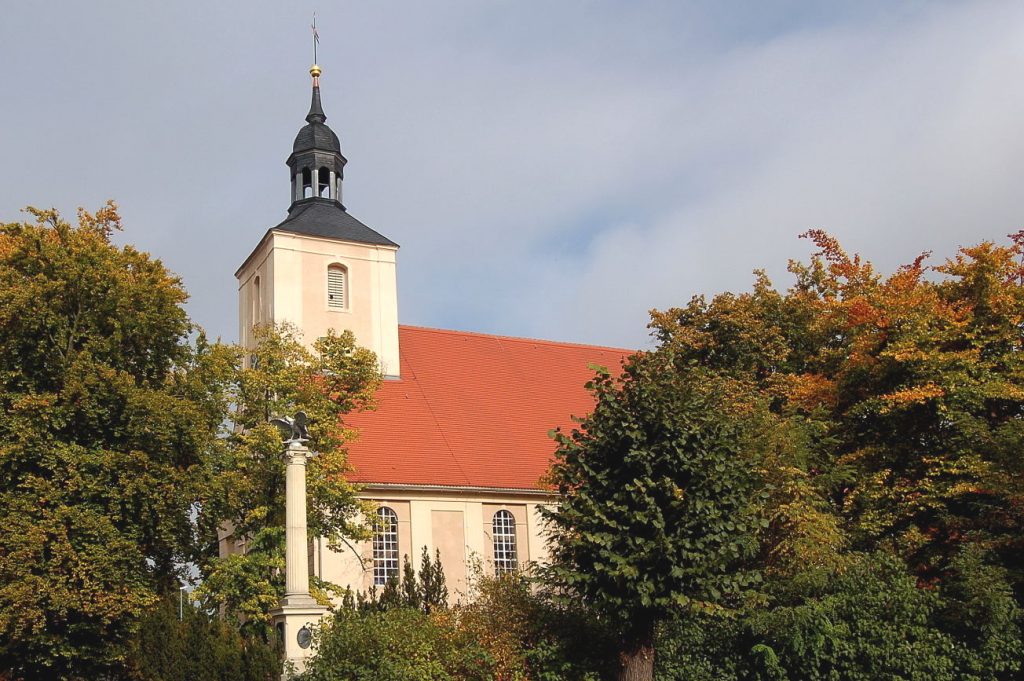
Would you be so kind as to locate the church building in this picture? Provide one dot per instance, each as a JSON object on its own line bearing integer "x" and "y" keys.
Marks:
{"x": 454, "y": 453}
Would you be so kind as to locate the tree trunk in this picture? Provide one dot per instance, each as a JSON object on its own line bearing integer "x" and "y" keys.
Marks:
{"x": 637, "y": 654}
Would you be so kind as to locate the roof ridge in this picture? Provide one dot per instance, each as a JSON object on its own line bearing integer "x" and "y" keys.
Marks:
{"x": 520, "y": 339}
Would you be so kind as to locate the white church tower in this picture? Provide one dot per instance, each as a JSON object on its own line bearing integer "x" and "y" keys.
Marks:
{"x": 321, "y": 268}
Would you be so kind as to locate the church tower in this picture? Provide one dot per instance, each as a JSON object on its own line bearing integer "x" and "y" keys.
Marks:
{"x": 321, "y": 268}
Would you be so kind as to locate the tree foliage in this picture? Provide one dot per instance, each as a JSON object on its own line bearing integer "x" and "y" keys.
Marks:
{"x": 179, "y": 642}
{"x": 882, "y": 417}
{"x": 128, "y": 443}
{"x": 247, "y": 470}
{"x": 892, "y": 460}
{"x": 910, "y": 384}
{"x": 869, "y": 620}
{"x": 101, "y": 437}
{"x": 658, "y": 495}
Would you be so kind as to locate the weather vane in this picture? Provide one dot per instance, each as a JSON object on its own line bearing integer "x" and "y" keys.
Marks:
{"x": 316, "y": 37}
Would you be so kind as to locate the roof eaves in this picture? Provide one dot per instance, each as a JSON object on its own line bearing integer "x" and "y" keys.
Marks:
{"x": 398, "y": 487}
{"x": 283, "y": 230}
{"x": 259, "y": 245}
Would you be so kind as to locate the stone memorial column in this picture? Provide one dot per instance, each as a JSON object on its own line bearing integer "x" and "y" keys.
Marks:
{"x": 298, "y": 611}
{"x": 296, "y": 581}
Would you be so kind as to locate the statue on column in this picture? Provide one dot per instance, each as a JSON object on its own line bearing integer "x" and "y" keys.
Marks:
{"x": 298, "y": 610}
{"x": 293, "y": 428}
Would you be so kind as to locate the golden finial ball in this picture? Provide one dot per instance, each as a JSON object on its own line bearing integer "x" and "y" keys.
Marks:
{"x": 314, "y": 71}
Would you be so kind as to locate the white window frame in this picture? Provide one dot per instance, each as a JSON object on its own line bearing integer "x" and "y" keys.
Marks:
{"x": 385, "y": 546}
{"x": 503, "y": 542}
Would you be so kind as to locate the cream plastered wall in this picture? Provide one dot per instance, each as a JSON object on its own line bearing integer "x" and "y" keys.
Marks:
{"x": 458, "y": 522}
{"x": 291, "y": 270}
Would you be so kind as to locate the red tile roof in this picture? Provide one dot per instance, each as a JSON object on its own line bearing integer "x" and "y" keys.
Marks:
{"x": 473, "y": 410}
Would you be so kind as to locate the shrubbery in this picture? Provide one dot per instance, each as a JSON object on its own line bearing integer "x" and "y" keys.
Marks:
{"x": 197, "y": 647}
{"x": 507, "y": 632}
{"x": 868, "y": 621}
{"x": 401, "y": 643}
{"x": 530, "y": 635}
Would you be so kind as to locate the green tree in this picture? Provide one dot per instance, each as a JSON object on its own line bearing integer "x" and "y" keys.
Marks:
{"x": 978, "y": 610}
{"x": 412, "y": 596}
{"x": 658, "y": 509}
{"x": 432, "y": 586}
{"x": 870, "y": 622}
{"x": 247, "y": 470}
{"x": 125, "y": 447}
{"x": 177, "y": 643}
{"x": 104, "y": 428}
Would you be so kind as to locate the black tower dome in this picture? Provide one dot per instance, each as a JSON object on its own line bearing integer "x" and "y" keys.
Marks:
{"x": 316, "y": 162}
{"x": 316, "y": 134}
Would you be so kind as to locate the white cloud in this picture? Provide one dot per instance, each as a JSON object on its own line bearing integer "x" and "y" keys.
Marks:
{"x": 552, "y": 170}
{"x": 897, "y": 138}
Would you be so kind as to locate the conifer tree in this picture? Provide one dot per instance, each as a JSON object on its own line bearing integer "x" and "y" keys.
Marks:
{"x": 433, "y": 589}
{"x": 348, "y": 599}
{"x": 411, "y": 596}
{"x": 390, "y": 597}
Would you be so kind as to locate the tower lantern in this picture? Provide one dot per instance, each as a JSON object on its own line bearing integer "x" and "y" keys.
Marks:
{"x": 316, "y": 163}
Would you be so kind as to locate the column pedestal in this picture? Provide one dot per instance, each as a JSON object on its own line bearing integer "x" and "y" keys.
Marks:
{"x": 289, "y": 621}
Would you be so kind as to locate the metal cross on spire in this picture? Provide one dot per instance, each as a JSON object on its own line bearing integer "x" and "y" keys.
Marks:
{"x": 316, "y": 37}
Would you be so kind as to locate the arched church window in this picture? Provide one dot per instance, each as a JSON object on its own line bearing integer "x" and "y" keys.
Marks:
{"x": 337, "y": 287}
{"x": 503, "y": 533}
{"x": 385, "y": 546}
{"x": 324, "y": 183}
{"x": 257, "y": 301}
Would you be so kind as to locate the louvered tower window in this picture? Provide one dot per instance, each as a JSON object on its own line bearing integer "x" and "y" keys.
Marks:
{"x": 337, "y": 287}
{"x": 503, "y": 528}
{"x": 385, "y": 546}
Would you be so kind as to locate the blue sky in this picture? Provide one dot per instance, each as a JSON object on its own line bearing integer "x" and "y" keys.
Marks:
{"x": 550, "y": 169}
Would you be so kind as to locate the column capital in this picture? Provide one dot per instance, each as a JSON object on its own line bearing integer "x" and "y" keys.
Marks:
{"x": 296, "y": 452}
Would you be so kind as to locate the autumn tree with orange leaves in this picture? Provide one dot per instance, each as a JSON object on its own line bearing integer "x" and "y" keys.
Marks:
{"x": 907, "y": 392}
{"x": 895, "y": 543}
